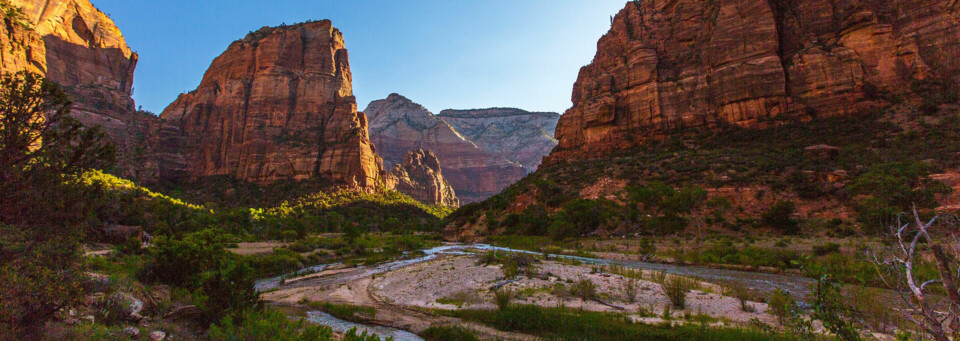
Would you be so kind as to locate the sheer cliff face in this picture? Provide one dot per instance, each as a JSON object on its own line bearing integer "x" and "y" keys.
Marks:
{"x": 670, "y": 65}
{"x": 399, "y": 126}
{"x": 513, "y": 134}
{"x": 79, "y": 47}
{"x": 420, "y": 176}
{"x": 276, "y": 105}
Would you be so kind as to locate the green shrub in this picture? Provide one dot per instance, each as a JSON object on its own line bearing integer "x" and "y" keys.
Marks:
{"x": 503, "y": 298}
{"x": 347, "y": 312}
{"x": 782, "y": 306}
{"x": 584, "y": 289}
{"x": 227, "y": 291}
{"x": 180, "y": 262}
{"x": 780, "y": 217}
{"x": 677, "y": 288}
{"x": 830, "y": 308}
{"x": 826, "y": 249}
{"x": 563, "y": 324}
{"x": 267, "y": 325}
{"x": 443, "y": 333}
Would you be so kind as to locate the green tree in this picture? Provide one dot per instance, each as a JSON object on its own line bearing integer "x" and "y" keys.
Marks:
{"x": 44, "y": 206}
{"x": 780, "y": 217}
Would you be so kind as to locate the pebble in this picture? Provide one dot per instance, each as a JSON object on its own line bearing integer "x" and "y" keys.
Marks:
{"x": 132, "y": 331}
{"x": 158, "y": 335}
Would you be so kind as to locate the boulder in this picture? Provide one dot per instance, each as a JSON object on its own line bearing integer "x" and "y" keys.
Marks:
{"x": 821, "y": 152}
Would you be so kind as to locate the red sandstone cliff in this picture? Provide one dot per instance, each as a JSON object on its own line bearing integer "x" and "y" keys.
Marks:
{"x": 399, "y": 126}
{"x": 420, "y": 177}
{"x": 689, "y": 64}
{"x": 276, "y": 105}
{"x": 74, "y": 44}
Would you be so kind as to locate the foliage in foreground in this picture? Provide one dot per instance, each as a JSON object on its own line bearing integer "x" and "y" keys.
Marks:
{"x": 44, "y": 210}
{"x": 440, "y": 333}
{"x": 562, "y": 324}
{"x": 274, "y": 325}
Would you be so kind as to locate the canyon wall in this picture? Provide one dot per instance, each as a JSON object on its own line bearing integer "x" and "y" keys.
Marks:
{"x": 276, "y": 105}
{"x": 517, "y": 135}
{"x": 668, "y": 66}
{"x": 399, "y": 126}
{"x": 74, "y": 44}
{"x": 420, "y": 176}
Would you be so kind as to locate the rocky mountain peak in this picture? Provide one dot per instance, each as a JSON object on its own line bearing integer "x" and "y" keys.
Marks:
{"x": 420, "y": 177}
{"x": 276, "y": 105}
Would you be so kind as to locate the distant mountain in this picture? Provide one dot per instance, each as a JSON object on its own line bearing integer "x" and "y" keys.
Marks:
{"x": 496, "y": 148}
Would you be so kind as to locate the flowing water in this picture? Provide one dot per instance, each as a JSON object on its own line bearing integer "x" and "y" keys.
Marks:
{"x": 342, "y": 326}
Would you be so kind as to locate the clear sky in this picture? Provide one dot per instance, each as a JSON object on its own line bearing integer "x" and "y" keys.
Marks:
{"x": 444, "y": 54}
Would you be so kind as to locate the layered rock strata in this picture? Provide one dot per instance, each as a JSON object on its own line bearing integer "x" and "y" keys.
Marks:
{"x": 420, "y": 177}
{"x": 517, "y": 135}
{"x": 673, "y": 65}
{"x": 399, "y": 126}
{"x": 276, "y": 105}
{"x": 74, "y": 44}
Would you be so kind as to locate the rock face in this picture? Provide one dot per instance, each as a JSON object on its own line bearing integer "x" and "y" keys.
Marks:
{"x": 74, "y": 44}
{"x": 420, "y": 177}
{"x": 691, "y": 64}
{"x": 399, "y": 126}
{"x": 277, "y": 104}
{"x": 520, "y": 136}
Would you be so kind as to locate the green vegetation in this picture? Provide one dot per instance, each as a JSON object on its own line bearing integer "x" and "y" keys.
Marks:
{"x": 346, "y": 312}
{"x": 891, "y": 189}
{"x": 884, "y": 161}
{"x": 337, "y": 210}
{"x": 273, "y": 325}
{"x": 780, "y": 217}
{"x": 13, "y": 16}
{"x": 44, "y": 207}
{"x": 266, "y": 325}
{"x": 677, "y": 288}
{"x": 563, "y": 324}
{"x": 782, "y": 305}
{"x": 440, "y": 333}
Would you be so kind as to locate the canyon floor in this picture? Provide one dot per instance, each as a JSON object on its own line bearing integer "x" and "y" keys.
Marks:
{"x": 414, "y": 295}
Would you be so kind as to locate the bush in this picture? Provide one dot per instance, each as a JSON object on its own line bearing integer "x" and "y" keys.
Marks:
{"x": 826, "y": 249}
{"x": 584, "y": 289}
{"x": 563, "y": 324}
{"x": 503, "y": 298}
{"x": 677, "y": 288}
{"x": 782, "y": 306}
{"x": 180, "y": 262}
{"x": 267, "y": 325}
{"x": 442, "y": 333}
{"x": 630, "y": 290}
{"x": 227, "y": 291}
{"x": 780, "y": 217}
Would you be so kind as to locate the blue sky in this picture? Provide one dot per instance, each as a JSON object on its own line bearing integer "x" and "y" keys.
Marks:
{"x": 440, "y": 53}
